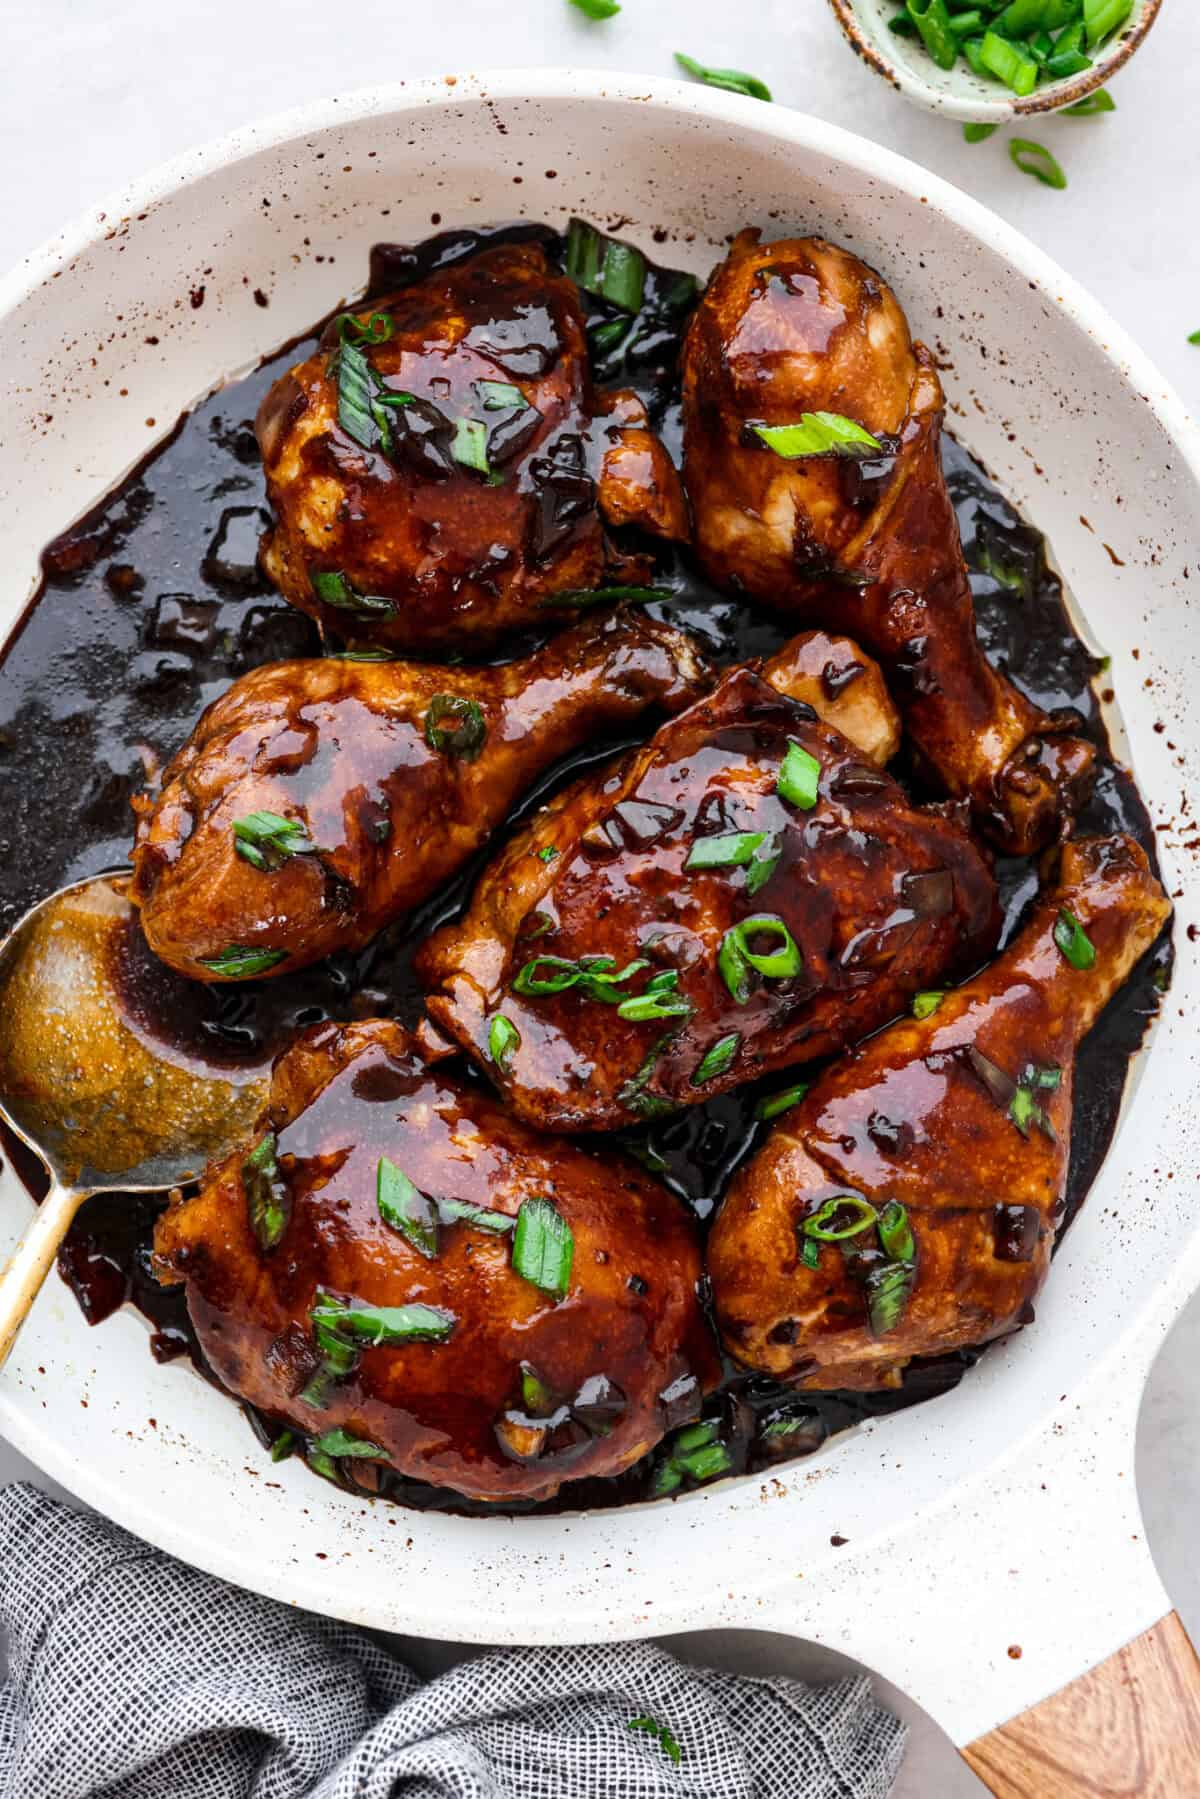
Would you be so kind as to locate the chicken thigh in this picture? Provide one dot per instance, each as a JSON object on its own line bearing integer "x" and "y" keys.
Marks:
{"x": 316, "y": 802}
{"x": 812, "y": 426}
{"x": 908, "y": 1204}
{"x": 414, "y": 1280}
{"x": 745, "y": 892}
{"x": 442, "y": 470}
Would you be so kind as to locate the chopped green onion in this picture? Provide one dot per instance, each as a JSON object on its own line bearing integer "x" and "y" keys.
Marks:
{"x": 470, "y": 445}
{"x": 1102, "y": 17}
{"x": 764, "y": 864}
{"x": 547, "y": 854}
{"x": 829, "y": 1223}
{"x": 902, "y": 25}
{"x": 367, "y": 654}
{"x": 1024, "y": 1110}
{"x": 268, "y": 1201}
{"x": 378, "y": 329}
{"x": 503, "y": 1039}
{"x": 362, "y": 399}
{"x": 597, "y": 977}
{"x": 632, "y": 1093}
{"x": 889, "y": 1289}
{"x": 933, "y": 22}
{"x": 732, "y": 80}
{"x": 323, "y": 1465}
{"x": 543, "y": 1248}
{"x": 1194, "y": 337}
{"x": 718, "y": 1059}
{"x": 924, "y": 1005}
{"x": 703, "y": 1464}
{"x": 605, "y": 266}
{"x": 461, "y": 1211}
{"x": 466, "y": 732}
{"x": 598, "y": 9}
{"x": 283, "y": 1446}
{"x": 1061, "y": 64}
{"x": 238, "y": 963}
{"x": 377, "y": 1327}
{"x": 344, "y": 1442}
{"x": 266, "y": 839}
{"x": 651, "y": 1726}
{"x": 499, "y": 396}
{"x": 1034, "y": 159}
{"x": 536, "y": 1397}
{"x": 1073, "y": 941}
{"x": 578, "y": 598}
{"x": 895, "y": 1232}
{"x": 1009, "y": 63}
{"x": 975, "y": 133}
{"x": 333, "y": 588}
{"x": 818, "y": 434}
{"x": 735, "y": 958}
{"x": 734, "y": 850}
{"x": 1100, "y": 101}
{"x": 653, "y": 1005}
{"x": 799, "y": 775}
{"x": 775, "y": 1103}
{"x": 406, "y": 1208}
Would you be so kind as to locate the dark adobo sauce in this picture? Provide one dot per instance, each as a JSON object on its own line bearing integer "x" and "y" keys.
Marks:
{"x": 154, "y": 602}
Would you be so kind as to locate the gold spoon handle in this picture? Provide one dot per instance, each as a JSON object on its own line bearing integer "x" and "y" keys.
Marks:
{"x": 31, "y": 1261}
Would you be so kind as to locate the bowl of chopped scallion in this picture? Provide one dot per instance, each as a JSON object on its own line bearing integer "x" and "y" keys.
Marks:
{"x": 992, "y": 60}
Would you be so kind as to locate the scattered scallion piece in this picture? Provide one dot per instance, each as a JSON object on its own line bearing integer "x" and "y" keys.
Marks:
{"x": 605, "y": 266}
{"x": 598, "y": 9}
{"x": 1099, "y": 102}
{"x": 1073, "y": 941}
{"x": 932, "y": 21}
{"x": 975, "y": 133}
{"x": 718, "y": 1059}
{"x": 469, "y": 445}
{"x": 1034, "y": 159}
{"x": 503, "y": 1039}
{"x": 653, "y": 1728}
{"x": 579, "y": 598}
{"x": 376, "y": 1327}
{"x": 283, "y": 1446}
{"x": 733, "y": 850}
{"x": 536, "y": 1396}
{"x": 640, "y": 1008}
{"x": 455, "y": 726}
{"x": 344, "y": 1442}
{"x": 334, "y": 589}
{"x": 1024, "y": 1110}
{"x": 406, "y": 1209}
{"x": 266, "y": 839}
{"x": 799, "y": 775}
{"x": 543, "y": 1248}
{"x": 836, "y": 1220}
{"x": 775, "y": 1103}
{"x": 924, "y": 1005}
{"x": 818, "y": 434}
{"x": 239, "y": 963}
{"x": 888, "y": 1291}
{"x": 736, "y": 957}
{"x": 461, "y": 1211}
{"x": 1194, "y": 337}
{"x": 377, "y": 329}
{"x": 734, "y": 81}
{"x": 499, "y": 396}
{"x": 597, "y": 977}
{"x": 362, "y": 398}
{"x": 547, "y": 854}
{"x": 895, "y": 1232}
{"x": 268, "y": 1200}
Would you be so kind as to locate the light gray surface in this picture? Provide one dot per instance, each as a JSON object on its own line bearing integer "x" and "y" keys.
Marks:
{"x": 97, "y": 90}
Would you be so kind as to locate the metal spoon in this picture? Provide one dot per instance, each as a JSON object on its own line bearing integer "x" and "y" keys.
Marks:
{"x": 104, "y": 1101}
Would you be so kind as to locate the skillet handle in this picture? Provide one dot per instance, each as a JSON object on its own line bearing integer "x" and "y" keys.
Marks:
{"x": 1131, "y": 1725}
{"x": 31, "y": 1261}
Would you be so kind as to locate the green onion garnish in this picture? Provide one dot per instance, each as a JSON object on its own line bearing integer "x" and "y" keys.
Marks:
{"x": 238, "y": 963}
{"x": 503, "y": 1039}
{"x": 1194, "y": 337}
{"x": 1100, "y": 101}
{"x": 1034, "y": 159}
{"x": 333, "y": 588}
{"x": 543, "y": 1248}
{"x": 1009, "y": 63}
{"x": 500, "y": 396}
{"x": 461, "y": 1211}
{"x": 888, "y": 1291}
{"x": 597, "y": 9}
{"x": 379, "y": 1327}
{"x": 818, "y": 434}
{"x": 378, "y": 329}
{"x": 362, "y": 399}
{"x": 643, "y": 1007}
{"x": 536, "y": 1397}
{"x": 597, "y": 977}
{"x": 976, "y": 133}
{"x": 547, "y": 854}
{"x": 775, "y": 1103}
{"x": 895, "y": 1232}
{"x": 1024, "y": 1110}
{"x": 266, "y": 839}
{"x": 718, "y": 1059}
{"x": 268, "y": 1201}
{"x": 651, "y": 1726}
{"x": 734, "y": 81}
{"x": 1102, "y": 17}
{"x": 733, "y": 850}
{"x": 924, "y": 1005}
{"x": 799, "y": 775}
{"x": 933, "y": 23}
{"x": 455, "y": 726}
{"x": 605, "y": 266}
{"x": 579, "y": 598}
{"x": 735, "y": 958}
{"x": 283, "y": 1446}
{"x": 406, "y": 1208}
{"x": 836, "y": 1220}
{"x": 470, "y": 445}
{"x": 344, "y": 1442}
{"x": 1073, "y": 941}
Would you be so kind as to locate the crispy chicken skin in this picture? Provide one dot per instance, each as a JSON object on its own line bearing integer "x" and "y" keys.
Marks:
{"x": 865, "y": 897}
{"x": 450, "y": 556}
{"x": 346, "y": 751}
{"x": 868, "y": 547}
{"x": 628, "y": 1329}
{"x": 925, "y": 1114}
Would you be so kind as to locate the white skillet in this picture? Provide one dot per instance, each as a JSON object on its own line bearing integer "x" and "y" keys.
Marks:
{"x": 1003, "y": 1514}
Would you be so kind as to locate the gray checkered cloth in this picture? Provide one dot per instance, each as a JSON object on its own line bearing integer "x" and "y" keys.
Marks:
{"x": 132, "y": 1676}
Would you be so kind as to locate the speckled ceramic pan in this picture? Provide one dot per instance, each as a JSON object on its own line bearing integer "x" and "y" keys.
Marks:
{"x": 1005, "y": 1512}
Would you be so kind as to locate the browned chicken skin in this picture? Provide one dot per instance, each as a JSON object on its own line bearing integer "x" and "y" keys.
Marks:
{"x": 964, "y": 1119}
{"x": 517, "y": 1390}
{"x": 871, "y": 548}
{"x": 347, "y": 752}
{"x": 483, "y": 361}
{"x": 859, "y": 898}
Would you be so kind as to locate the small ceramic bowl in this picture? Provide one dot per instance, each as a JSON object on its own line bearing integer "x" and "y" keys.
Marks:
{"x": 959, "y": 92}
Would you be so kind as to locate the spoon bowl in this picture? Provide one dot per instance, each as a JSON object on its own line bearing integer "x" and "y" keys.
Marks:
{"x": 92, "y": 1081}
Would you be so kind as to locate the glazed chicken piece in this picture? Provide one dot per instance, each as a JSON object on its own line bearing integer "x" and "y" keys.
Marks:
{"x": 442, "y": 471}
{"x": 745, "y": 892}
{"x": 316, "y": 802}
{"x": 792, "y": 329}
{"x": 454, "y": 1298}
{"x": 908, "y": 1205}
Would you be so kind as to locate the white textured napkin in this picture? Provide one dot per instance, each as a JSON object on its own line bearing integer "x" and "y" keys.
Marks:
{"x": 132, "y": 1676}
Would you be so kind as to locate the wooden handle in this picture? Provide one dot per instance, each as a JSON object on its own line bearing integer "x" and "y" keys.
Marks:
{"x": 32, "y": 1260}
{"x": 1130, "y": 1729}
